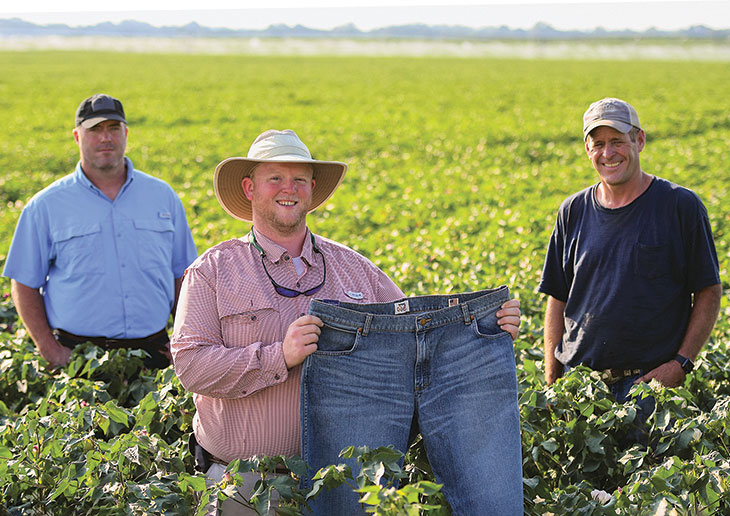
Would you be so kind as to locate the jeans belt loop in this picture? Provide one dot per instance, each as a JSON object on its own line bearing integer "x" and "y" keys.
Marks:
{"x": 467, "y": 316}
{"x": 366, "y": 326}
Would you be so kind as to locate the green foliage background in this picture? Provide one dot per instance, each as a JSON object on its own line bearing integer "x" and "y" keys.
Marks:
{"x": 457, "y": 168}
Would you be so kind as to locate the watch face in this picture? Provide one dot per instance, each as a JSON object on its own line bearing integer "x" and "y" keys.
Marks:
{"x": 686, "y": 364}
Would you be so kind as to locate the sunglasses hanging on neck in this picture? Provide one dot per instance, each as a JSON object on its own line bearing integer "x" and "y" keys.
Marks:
{"x": 286, "y": 291}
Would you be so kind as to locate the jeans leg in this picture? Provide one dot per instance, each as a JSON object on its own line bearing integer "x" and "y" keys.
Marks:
{"x": 469, "y": 419}
{"x": 638, "y": 434}
{"x": 362, "y": 398}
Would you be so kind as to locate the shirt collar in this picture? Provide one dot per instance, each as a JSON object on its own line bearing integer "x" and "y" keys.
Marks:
{"x": 82, "y": 179}
{"x": 274, "y": 251}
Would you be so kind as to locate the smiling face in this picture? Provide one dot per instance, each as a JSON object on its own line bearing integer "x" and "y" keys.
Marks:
{"x": 281, "y": 196}
{"x": 614, "y": 155}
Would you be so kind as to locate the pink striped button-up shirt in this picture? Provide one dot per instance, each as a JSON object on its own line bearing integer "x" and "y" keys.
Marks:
{"x": 229, "y": 327}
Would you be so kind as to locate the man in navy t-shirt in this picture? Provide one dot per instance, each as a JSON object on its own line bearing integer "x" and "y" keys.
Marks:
{"x": 631, "y": 271}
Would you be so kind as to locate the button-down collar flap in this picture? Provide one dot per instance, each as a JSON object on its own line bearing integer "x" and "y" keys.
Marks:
{"x": 308, "y": 250}
{"x": 275, "y": 252}
{"x": 82, "y": 179}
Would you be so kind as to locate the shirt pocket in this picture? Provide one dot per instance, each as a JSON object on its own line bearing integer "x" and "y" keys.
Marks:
{"x": 244, "y": 328}
{"x": 653, "y": 261}
{"x": 155, "y": 238}
{"x": 78, "y": 249}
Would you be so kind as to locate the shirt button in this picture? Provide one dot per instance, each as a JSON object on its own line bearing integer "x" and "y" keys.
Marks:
{"x": 244, "y": 392}
{"x": 286, "y": 257}
{"x": 253, "y": 317}
{"x": 276, "y": 377}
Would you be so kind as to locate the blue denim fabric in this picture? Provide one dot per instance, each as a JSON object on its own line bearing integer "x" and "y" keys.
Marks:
{"x": 441, "y": 362}
{"x": 638, "y": 434}
{"x": 644, "y": 408}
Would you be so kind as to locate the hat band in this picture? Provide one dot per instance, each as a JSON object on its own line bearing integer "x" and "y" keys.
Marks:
{"x": 281, "y": 151}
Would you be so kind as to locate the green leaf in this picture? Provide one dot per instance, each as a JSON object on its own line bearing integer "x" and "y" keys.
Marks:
{"x": 116, "y": 413}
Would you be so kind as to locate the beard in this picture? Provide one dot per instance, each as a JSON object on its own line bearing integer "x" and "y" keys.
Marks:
{"x": 285, "y": 224}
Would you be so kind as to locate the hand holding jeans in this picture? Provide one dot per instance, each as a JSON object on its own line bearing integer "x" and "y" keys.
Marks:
{"x": 508, "y": 318}
{"x": 301, "y": 339}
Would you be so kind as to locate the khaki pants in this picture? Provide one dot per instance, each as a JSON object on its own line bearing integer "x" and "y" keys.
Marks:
{"x": 231, "y": 507}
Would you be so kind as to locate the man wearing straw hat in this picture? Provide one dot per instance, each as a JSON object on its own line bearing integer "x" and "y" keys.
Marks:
{"x": 241, "y": 329}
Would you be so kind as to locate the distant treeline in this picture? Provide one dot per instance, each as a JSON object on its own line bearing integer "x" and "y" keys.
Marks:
{"x": 541, "y": 31}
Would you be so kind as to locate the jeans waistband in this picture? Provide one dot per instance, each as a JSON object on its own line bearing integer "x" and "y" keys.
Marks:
{"x": 408, "y": 314}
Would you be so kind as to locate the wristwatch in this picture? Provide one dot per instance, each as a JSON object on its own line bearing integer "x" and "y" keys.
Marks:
{"x": 686, "y": 363}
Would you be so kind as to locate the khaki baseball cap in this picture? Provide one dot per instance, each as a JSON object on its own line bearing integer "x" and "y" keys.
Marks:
{"x": 610, "y": 112}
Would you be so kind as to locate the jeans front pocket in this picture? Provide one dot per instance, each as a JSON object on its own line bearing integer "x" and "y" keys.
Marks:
{"x": 337, "y": 341}
{"x": 485, "y": 326}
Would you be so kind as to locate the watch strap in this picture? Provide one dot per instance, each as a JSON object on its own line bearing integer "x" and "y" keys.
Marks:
{"x": 686, "y": 364}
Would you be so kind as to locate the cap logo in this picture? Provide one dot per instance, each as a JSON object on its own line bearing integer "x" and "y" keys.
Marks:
{"x": 102, "y": 104}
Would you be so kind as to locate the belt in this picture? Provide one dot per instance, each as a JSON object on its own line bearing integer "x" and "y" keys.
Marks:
{"x": 156, "y": 340}
{"x": 610, "y": 376}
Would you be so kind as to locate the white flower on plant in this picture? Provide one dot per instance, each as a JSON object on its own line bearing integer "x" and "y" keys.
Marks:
{"x": 601, "y": 496}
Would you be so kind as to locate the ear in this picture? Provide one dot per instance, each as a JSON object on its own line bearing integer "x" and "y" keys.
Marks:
{"x": 313, "y": 183}
{"x": 76, "y": 135}
{"x": 247, "y": 185}
{"x": 640, "y": 139}
{"x": 587, "y": 146}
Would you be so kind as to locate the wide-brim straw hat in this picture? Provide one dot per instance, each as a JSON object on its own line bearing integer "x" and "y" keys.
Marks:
{"x": 272, "y": 147}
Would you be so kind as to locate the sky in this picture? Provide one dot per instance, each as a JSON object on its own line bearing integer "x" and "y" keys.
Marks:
{"x": 370, "y": 14}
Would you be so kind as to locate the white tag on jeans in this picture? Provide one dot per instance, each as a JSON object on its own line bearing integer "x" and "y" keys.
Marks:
{"x": 453, "y": 301}
{"x": 401, "y": 307}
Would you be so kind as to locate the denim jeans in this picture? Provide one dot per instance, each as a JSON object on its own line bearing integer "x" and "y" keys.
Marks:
{"x": 638, "y": 433}
{"x": 439, "y": 362}
{"x": 644, "y": 408}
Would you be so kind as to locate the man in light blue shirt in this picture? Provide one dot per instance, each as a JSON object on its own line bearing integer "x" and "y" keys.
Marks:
{"x": 99, "y": 254}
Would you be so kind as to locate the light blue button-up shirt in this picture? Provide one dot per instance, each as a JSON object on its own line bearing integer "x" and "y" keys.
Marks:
{"x": 105, "y": 268}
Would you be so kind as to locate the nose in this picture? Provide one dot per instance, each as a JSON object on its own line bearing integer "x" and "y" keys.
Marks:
{"x": 608, "y": 150}
{"x": 289, "y": 185}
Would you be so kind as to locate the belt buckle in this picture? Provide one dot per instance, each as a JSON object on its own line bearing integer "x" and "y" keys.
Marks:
{"x": 609, "y": 377}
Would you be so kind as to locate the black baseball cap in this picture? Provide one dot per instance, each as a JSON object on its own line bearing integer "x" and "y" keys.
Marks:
{"x": 98, "y": 108}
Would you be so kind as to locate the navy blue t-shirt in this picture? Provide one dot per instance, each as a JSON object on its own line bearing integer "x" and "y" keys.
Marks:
{"x": 627, "y": 275}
